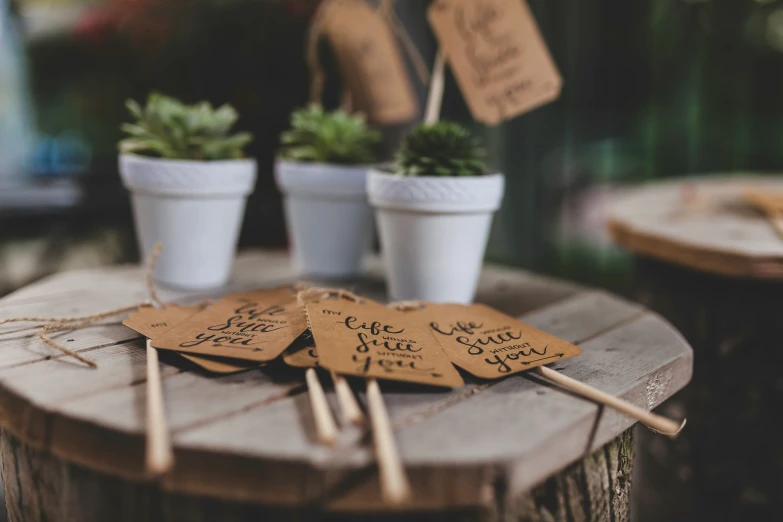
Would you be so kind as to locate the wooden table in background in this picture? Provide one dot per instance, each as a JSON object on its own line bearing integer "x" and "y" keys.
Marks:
{"x": 73, "y": 438}
{"x": 715, "y": 270}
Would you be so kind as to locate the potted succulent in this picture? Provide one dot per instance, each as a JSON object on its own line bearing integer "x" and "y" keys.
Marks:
{"x": 189, "y": 181}
{"x": 434, "y": 211}
{"x": 322, "y": 172}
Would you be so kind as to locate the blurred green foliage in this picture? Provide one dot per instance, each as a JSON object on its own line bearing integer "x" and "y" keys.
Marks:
{"x": 443, "y": 148}
{"x": 334, "y": 137}
{"x": 167, "y": 128}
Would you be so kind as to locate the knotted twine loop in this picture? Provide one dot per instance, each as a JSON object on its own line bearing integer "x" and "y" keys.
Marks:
{"x": 307, "y": 294}
{"x": 61, "y": 324}
{"x": 407, "y": 306}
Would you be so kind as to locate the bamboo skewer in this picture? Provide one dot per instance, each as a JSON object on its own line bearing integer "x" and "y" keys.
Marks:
{"x": 435, "y": 95}
{"x": 652, "y": 420}
{"x": 325, "y": 425}
{"x": 770, "y": 204}
{"x": 395, "y": 488}
{"x": 350, "y": 411}
{"x": 159, "y": 454}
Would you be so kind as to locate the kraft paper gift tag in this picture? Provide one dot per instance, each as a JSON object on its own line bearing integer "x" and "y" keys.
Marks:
{"x": 497, "y": 54}
{"x": 370, "y": 61}
{"x": 302, "y": 353}
{"x": 489, "y": 344}
{"x": 369, "y": 340}
{"x": 152, "y": 322}
{"x": 255, "y": 326}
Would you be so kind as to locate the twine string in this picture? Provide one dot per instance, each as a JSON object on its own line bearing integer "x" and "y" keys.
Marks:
{"x": 63, "y": 324}
{"x": 307, "y": 294}
{"x": 407, "y": 306}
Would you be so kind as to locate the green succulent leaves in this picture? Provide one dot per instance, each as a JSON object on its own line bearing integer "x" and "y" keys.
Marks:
{"x": 335, "y": 137}
{"x": 167, "y": 128}
{"x": 441, "y": 149}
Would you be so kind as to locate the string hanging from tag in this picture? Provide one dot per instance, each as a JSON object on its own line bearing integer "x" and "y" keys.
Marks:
{"x": 63, "y": 324}
{"x": 317, "y": 72}
{"x": 349, "y": 406}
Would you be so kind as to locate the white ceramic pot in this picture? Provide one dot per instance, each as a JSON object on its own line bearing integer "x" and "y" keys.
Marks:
{"x": 434, "y": 232}
{"x": 329, "y": 220}
{"x": 195, "y": 208}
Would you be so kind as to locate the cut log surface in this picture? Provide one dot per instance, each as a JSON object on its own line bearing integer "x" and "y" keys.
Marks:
{"x": 702, "y": 223}
{"x": 715, "y": 272}
{"x": 247, "y": 439}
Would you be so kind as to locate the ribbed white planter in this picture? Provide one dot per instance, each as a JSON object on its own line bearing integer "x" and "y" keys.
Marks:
{"x": 195, "y": 208}
{"x": 328, "y": 217}
{"x": 434, "y": 232}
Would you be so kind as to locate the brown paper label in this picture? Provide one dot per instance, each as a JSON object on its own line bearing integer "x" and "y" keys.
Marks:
{"x": 497, "y": 54}
{"x": 370, "y": 340}
{"x": 255, "y": 326}
{"x": 152, "y": 322}
{"x": 302, "y": 353}
{"x": 490, "y": 344}
{"x": 370, "y": 61}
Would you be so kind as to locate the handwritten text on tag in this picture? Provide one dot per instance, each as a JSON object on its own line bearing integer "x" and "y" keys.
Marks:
{"x": 256, "y": 326}
{"x": 497, "y": 54}
{"x": 370, "y": 61}
{"x": 152, "y": 322}
{"x": 490, "y": 344}
{"x": 371, "y": 340}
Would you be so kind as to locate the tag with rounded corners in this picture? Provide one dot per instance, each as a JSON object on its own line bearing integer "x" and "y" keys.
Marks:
{"x": 368, "y": 339}
{"x": 254, "y": 326}
{"x": 152, "y": 322}
{"x": 370, "y": 61}
{"x": 497, "y": 54}
{"x": 488, "y": 343}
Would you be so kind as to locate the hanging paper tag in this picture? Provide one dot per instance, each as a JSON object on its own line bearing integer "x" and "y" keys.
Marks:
{"x": 302, "y": 353}
{"x": 497, "y": 54}
{"x": 255, "y": 326}
{"x": 370, "y": 61}
{"x": 490, "y": 344}
{"x": 367, "y": 339}
{"x": 152, "y": 322}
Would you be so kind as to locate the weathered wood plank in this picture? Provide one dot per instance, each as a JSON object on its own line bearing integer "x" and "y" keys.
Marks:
{"x": 244, "y": 437}
{"x": 573, "y": 319}
{"x": 119, "y": 409}
{"x": 31, "y": 387}
{"x": 51, "y": 489}
{"x": 709, "y": 231}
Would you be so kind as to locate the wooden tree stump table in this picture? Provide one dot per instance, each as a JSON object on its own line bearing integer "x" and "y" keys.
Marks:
{"x": 515, "y": 449}
{"x": 715, "y": 270}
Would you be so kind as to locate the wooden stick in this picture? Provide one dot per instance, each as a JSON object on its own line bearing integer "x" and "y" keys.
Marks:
{"x": 435, "y": 96}
{"x": 325, "y": 425}
{"x": 651, "y": 420}
{"x": 395, "y": 488}
{"x": 777, "y": 224}
{"x": 160, "y": 457}
{"x": 349, "y": 407}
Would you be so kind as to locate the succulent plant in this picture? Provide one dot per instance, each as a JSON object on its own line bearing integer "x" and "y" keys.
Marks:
{"x": 167, "y": 128}
{"x": 328, "y": 137}
{"x": 440, "y": 149}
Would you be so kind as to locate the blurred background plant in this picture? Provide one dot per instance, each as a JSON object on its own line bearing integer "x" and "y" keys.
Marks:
{"x": 336, "y": 137}
{"x": 167, "y": 128}
{"x": 652, "y": 89}
{"x": 444, "y": 148}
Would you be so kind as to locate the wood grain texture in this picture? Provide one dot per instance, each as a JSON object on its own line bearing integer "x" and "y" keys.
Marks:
{"x": 710, "y": 230}
{"x": 734, "y": 400}
{"x": 249, "y": 437}
{"x": 41, "y": 487}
